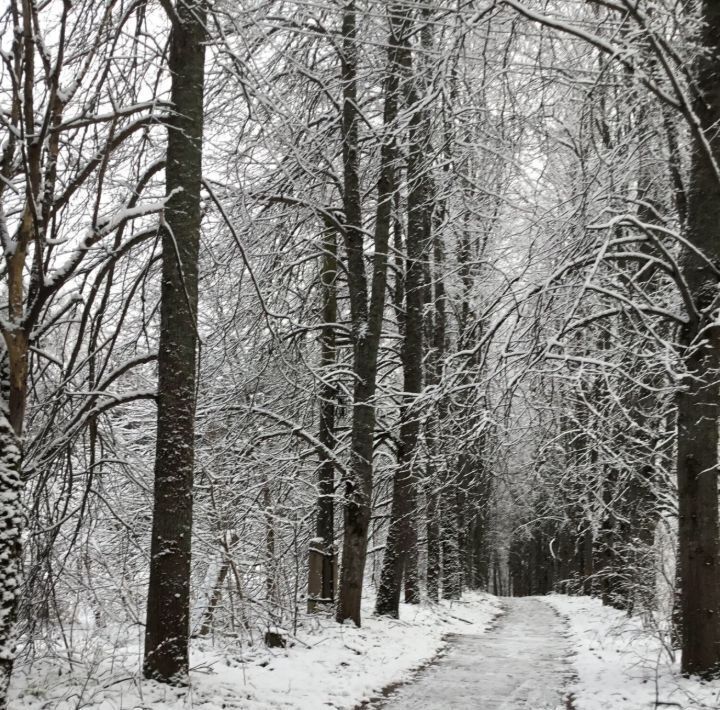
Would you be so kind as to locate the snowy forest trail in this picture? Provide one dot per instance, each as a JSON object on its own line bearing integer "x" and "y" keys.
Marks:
{"x": 519, "y": 664}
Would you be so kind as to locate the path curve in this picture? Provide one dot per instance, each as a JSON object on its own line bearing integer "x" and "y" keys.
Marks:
{"x": 518, "y": 664}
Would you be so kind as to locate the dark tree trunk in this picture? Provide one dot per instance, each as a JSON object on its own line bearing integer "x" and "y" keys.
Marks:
{"x": 435, "y": 343}
{"x": 401, "y": 547}
{"x": 11, "y": 525}
{"x": 420, "y": 168}
{"x": 698, "y": 527}
{"x": 15, "y": 331}
{"x": 432, "y": 584}
{"x": 366, "y": 319}
{"x": 586, "y": 562}
{"x": 356, "y": 511}
{"x": 450, "y": 540}
{"x": 325, "y": 525}
{"x": 270, "y": 565}
{"x": 167, "y": 630}
{"x": 411, "y": 580}
{"x": 698, "y": 402}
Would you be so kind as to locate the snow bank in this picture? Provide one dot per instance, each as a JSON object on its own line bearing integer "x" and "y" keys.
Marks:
{"x": 324, "y": 666}
{"x": 620, "y": 664}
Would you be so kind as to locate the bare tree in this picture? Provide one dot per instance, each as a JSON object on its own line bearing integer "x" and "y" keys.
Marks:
{"x": 168, "y": 609}
{"x": 366, "y": 307}
{"x": 698, "y": 402}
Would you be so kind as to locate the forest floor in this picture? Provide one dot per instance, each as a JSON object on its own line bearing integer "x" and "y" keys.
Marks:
{"x": 481, "y": 652}
{"x": 324, "y": 666}
{"x": 621, "y": 663}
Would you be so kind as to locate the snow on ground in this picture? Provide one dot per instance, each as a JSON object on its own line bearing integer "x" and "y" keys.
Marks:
{"x": 620, "y": 664}
{"x": 325, "y": 666}
{"x": 521, "y": 663}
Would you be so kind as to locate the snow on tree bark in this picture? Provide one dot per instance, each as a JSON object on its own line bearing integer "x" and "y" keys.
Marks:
{"x": 325, "y": 523}
{"x": 366, "y": 314}
{"x": 11, "y": 524}
{"x": 400, "y": 558}
{"x": 168, "y": 613}
{"x": 698, "y": 401}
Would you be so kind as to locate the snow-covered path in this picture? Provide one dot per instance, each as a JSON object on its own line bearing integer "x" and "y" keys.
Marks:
{"x": 519, "y": 664}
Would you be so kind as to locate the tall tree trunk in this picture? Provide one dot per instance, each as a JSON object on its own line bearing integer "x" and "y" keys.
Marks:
{"x": 432, "y": 575}
{"x": 325, "y": 525}
{"x": 698, "y": 402}
{"x": 15, "y": 332}
{"x": 11, "y": 524}
{"x": 450, "y": 541}
{"x": 401, "y": 547}
{"x": 435, "y": 343}
{"x": 271, "y": 581}
{"x": 167, "y": 629}
{"x": 356, "y": 512}
{"x": 420, "y": 216}
{"x": 366, "y": 318}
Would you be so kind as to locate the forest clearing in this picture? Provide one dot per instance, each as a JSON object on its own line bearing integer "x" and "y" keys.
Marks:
{"x": 359, "y": 353}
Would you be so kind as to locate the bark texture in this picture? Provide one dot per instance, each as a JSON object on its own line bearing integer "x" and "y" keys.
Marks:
{"x": 11, "y": 523}
{"x": 15, "y": 332}
{"x": 401, "y": 547}
{"x": 167, "y": 629}
{"x": 366, "y": 313}
{"x": 698, "y": 402}
{"x": 325, "y": 525}
{"x": 435, "y": 346}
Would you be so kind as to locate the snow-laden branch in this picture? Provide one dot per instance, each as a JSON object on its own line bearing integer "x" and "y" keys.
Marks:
{"x": 294, "y": 429}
